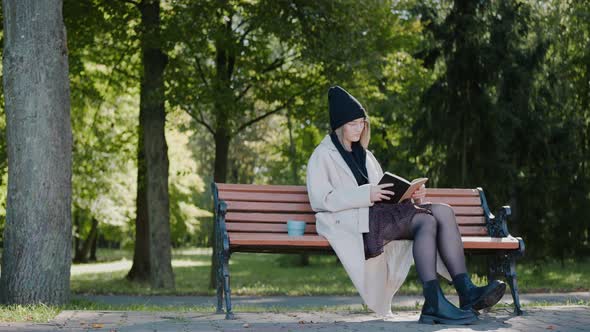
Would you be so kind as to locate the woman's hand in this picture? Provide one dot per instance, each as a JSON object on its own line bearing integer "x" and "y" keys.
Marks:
{"x": 378, "y": 193}
{"x": 419, "y": 194}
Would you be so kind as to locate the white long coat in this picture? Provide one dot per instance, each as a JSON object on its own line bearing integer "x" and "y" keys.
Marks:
{"x": 342, "y": 216}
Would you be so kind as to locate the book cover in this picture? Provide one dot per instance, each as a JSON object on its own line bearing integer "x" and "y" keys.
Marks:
{"x": 402, "y": 188}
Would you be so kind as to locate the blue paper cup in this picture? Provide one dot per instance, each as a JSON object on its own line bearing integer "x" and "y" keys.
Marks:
{"x": 295, "y": 227}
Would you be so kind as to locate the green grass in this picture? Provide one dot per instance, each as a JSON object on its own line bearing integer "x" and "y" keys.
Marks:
{"x": 273, "y": 274}
{"x": 28, "y": 313}
{"x": 268, "y": 274}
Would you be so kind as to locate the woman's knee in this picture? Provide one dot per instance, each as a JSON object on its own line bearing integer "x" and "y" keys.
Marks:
{"x": 442, "y": 211}
{"x": 424, "y": 222}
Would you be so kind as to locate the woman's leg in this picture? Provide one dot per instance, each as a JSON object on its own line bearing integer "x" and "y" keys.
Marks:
{"x": 436, "y": 308}
{"x": 452, "y": 253}
{"x": 423, "y": 230}
{"x": 448, "y": 239}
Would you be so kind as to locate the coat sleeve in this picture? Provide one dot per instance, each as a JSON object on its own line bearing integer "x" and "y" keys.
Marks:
{"x": 322, "y": 194}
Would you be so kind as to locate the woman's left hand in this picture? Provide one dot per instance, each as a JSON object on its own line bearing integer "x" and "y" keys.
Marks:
{"x": 419, "y": 194}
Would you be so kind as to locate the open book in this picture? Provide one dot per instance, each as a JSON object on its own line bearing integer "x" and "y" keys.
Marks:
{"x": 402, "y": 188}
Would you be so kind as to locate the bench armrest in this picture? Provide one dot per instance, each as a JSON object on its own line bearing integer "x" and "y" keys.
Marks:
{"x": 220, "y": 211}
{"x": 497, "y": 226}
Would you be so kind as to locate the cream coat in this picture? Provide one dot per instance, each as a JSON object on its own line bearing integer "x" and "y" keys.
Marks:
{"x": 342, "y": 215}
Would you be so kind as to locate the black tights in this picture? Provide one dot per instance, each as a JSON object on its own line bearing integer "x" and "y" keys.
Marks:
{"x": 438, "y": 230}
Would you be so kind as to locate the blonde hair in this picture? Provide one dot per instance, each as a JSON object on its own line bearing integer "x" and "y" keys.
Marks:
{"x": 365, "y": 134}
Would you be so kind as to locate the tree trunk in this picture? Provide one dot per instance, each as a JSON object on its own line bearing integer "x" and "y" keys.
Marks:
{"x": 153, "y": 120}
{"x": 76, "y": 220}
{"x": 140, "y": 270}
{"x": 222, "y": 141}
{"x": 303, "y": 258}
{"x": 83, "y": 252}
{"x": 38, "y": 233}
{"x": 224, "y": 62}
{"x": 92, "y": 257}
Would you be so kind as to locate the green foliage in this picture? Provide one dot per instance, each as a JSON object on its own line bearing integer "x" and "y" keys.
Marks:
{"x": 186, "y": 218}
{"x": 469, "y": 93}
{"x": 503, "y": 114}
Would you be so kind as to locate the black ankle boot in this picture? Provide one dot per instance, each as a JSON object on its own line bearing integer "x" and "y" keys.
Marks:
{"x": 477, "y": 298}
{"x": 437, "y": 309}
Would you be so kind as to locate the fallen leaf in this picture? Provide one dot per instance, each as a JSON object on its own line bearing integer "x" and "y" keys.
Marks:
{"x": 550, "y": 327}
{"x": 97, "y": 326}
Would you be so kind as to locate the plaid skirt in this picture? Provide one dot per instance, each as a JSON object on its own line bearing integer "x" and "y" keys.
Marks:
{"x": 388, "y": 222}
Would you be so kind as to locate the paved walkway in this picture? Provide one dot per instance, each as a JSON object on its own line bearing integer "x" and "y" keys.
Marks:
{"x": 318, "y": 301}
{"x": 554, "y": 318}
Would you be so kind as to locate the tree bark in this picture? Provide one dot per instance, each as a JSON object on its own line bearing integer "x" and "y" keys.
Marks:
{"x": 303, "y": 258}
{"x": 152, "y": 120}
{"x": 38, "y": 235}
{"x": 222, "y": 140}
{"x": 140, "y": 270}
{"x": 92, "y": 257}
{"x": 83, "y": 252}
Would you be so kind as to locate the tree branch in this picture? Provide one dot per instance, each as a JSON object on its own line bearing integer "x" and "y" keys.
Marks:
{"x": 199, "y": 119}
{"x": 243, "y": 93}
{"x": 245, "y": 34}
{"x": 131, "y": 76}
{"x": 278, "y": 109}
{"x": 201, "y": 72}
{"x": 108, "y": 85}
{"x": 256, "y": 119}
{"x": 274, "y": 65}
{"x": 241, "y": 24}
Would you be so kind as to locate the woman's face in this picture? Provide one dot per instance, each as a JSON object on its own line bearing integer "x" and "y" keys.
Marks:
{"x": 352, "y": 130}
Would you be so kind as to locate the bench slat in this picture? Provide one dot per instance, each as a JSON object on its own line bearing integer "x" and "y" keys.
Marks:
{"x": 267, "y": 217}
{"x": 303, "y": 198}
{"x": 305, "y": 207}
{"x": 454, "y": 200}
{"x": 451, "y": 192}
{"x": 265, "y": 228}
{"x": 262, "y": 188}
{"x": 263, "y": 197}
{"x": 266, "y": 239}
{"x": 303, "y": 189}
{"x": 311, "y": 229}
{"x": 310, "y": 217}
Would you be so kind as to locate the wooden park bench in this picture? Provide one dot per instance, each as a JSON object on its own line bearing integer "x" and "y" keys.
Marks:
{"x": 253, "y": 218}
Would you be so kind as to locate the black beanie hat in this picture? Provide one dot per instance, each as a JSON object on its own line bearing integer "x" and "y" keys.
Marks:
{"x": 343, "y": 107}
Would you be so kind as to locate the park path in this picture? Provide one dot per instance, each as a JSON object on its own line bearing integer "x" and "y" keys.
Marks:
{"x": 295, "y": 302}
{"x": 550, "y": 318}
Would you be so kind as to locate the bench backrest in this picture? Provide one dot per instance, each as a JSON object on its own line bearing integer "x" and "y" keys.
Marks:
{"x": 266, "y": 208}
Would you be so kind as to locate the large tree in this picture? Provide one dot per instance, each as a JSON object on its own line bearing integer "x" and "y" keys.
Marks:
{"x": 152, "y": 142}
{"x": 235, "y": 63}
{"x": 37, "y": 238}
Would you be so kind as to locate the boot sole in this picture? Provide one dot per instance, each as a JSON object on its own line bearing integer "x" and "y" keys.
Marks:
{"x": 429, "y": 319}
{"x": 491, "y": 298}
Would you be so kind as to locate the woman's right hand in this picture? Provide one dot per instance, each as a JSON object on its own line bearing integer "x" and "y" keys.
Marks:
{"x": 378, "y": 193}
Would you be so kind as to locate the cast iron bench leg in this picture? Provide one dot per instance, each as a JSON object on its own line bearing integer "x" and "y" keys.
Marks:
{"x": 228, "y": 313}
{"x": 493, "y": 265}
{"x": 510, "y": 272}
{"x": 219, "y": 278}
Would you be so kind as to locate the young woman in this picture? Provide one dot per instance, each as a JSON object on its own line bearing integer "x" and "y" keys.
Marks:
{"x": 376, "y": 241}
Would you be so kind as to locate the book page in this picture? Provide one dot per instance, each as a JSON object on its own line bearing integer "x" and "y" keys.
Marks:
{"x": 413, "y": 187}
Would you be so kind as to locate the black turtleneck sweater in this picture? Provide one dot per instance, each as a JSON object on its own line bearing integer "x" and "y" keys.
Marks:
{"x": 358, "y": 160}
